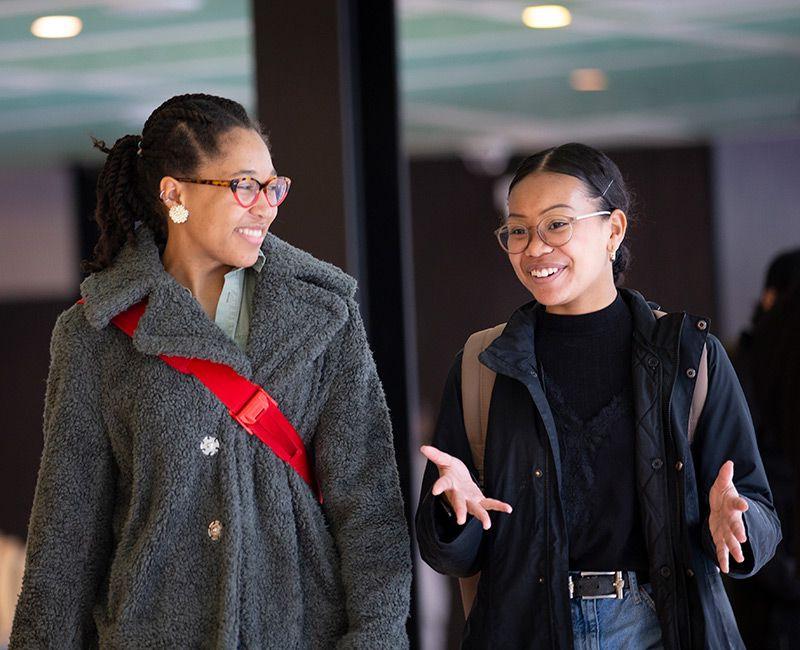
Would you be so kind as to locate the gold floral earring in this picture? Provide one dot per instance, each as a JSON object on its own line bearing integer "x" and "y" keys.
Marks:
{"x": 178, "y": 213}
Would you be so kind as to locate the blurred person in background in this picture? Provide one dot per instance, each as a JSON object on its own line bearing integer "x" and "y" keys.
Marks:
{"x": 624, "y": 512}
{"x": 12, "y": 565}
{"x": 767, "y": 359}
{"x": 158, "y": 520}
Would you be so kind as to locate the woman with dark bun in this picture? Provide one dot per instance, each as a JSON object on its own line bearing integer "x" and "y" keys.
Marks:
{"x": 218, "y": 467}
{"x": 617, "y": 433}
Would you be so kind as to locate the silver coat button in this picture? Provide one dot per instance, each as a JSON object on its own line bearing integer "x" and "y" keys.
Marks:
{"x": 691, "y": 373}
{"x": 209, "y": 445}
{"x": 215, "y": 530}
{"x": 702, "y": 325}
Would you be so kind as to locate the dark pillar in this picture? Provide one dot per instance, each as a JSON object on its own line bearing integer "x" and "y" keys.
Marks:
{"x": 327, "y": 93}
{"x": 298, "y": 84}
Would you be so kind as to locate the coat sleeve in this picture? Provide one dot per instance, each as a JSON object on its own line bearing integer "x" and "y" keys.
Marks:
{"x": 447, "y": 547}
{"x": 358, "y": 476}
{"x": 69, "y": 534}
{"x": 725, "y": 432}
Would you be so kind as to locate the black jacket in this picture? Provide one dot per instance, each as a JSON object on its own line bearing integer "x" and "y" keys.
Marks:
{"x": 522, "y": 599}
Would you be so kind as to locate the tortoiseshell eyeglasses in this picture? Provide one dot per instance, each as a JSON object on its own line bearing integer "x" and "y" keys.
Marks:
{"x": 245, "y": 190}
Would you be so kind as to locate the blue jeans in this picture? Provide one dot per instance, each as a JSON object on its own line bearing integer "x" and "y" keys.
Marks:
{"x": 611, "y": 624}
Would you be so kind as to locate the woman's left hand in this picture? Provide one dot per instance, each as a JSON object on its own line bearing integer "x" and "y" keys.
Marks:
{"x": 725, "y": 520}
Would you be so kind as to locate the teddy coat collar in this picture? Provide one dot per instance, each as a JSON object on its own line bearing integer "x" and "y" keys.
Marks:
{"x": 174, "y": 323}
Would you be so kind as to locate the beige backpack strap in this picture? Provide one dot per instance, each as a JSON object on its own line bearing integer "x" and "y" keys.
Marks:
{"x": 700, "y": 388}
{"x": 477, "y": 382}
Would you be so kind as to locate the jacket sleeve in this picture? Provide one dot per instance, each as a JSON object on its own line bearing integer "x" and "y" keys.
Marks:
{"x": 725, "y": 432}
{"x": 447, "y": 547}
{"x": 69, "y": 534}
{"x": 358, "y": 476}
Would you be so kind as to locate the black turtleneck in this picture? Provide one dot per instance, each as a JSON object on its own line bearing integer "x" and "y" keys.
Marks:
{"x": 586, "y": 369}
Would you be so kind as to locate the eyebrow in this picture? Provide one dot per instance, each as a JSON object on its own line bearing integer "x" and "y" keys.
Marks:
{"x": 252, "y": 172}
{"x": 552, "y": 207}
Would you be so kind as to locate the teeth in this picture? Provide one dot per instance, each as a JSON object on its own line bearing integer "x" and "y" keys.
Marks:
{"x": 250, "y": 232}
{"x": 543, "y": 273}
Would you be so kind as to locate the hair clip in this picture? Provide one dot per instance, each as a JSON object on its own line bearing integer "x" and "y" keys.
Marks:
{"x": 139, "y": 150}
{"x": 606, "y": 190}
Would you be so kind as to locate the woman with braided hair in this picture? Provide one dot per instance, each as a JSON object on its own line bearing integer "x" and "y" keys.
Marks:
{"x": 218, "y": 465}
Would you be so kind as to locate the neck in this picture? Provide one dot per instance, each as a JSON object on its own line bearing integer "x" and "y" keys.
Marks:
{"x": 204, "y": 278}
{"x": 586, "y": 303}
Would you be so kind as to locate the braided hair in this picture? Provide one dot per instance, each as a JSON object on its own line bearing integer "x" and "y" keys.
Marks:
{"x": 175, "y": 139}
{"x": 598, "y": 173}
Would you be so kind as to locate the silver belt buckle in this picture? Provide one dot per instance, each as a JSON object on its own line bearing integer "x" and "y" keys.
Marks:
{"x": 619, "y": 584}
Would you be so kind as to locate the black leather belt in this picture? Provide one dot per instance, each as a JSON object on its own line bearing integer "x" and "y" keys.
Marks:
{"x": 596, "y": 584}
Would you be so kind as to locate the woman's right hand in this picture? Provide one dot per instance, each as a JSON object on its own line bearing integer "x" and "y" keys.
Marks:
{"x": 461, "y": 492}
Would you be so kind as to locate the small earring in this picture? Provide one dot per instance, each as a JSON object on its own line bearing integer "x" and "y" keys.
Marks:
{"x": 613, "y": 256}
{"x": 178, "y": 213}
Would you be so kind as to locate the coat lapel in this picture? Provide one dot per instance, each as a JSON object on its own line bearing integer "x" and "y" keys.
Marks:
{"x": 513, "y": 354}
{"x": 298, "y": 307}
{"x": 173, "y": 323}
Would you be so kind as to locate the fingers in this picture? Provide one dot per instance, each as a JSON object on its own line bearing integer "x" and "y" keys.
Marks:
{"x": 728, "y": 535}
{"x": 494, "y": 504}
{"x": 478, "y": 508}
{"x": 725, "y": 475}
{"x": 459, "y": 504}
{"x": 737, "y": 528}
{"x": 722, "y": 557}
{"x": 442, "y": 484}
{"x": 739, "y": 504}
{"x": 480, "y": 513}
{"x": 438, "y": 458}
{"x": 734, "y": 548}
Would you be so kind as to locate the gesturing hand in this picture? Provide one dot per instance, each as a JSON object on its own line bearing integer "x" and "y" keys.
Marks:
{"x": 460, "y": 490}
{"x": 725, "y": 520}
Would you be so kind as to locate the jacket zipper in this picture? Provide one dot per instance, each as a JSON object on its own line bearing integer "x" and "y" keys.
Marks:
{"x": 547, "y": 544}
{"x": 548, "y": 559}
{"x": 676, "y": 528}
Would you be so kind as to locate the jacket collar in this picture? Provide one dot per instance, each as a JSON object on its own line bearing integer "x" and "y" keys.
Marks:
{"x": 298, "y": 306}
{"x": 513, "y": 352}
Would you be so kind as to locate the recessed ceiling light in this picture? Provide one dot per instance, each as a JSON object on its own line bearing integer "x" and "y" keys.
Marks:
{"x": 151, "y": 7}
{"x": 57, "y": 26}
{"x": 588, "y": 79}
{"x": 546, "y": 16}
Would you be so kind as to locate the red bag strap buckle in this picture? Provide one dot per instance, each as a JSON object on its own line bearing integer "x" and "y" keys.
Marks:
{"x": 259, "y": 415}
{"x": 250, "y": 412}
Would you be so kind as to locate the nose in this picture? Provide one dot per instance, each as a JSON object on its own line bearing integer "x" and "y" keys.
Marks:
{"x": 262, "y": 209}
{"x": 537, "y": 246}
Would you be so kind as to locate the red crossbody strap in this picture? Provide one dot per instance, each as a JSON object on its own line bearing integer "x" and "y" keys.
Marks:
{"x": 249, "y": 404}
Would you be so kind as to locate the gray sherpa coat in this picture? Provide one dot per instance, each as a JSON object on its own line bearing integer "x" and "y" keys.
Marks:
{"x": 120, "y": 552}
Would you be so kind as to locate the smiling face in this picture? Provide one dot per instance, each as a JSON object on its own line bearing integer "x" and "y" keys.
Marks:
{"x": 219, "y": 231}
{"x": 575, "y": 278}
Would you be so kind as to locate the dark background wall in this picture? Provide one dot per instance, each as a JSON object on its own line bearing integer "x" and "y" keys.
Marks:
{"x": 25, "y": 335}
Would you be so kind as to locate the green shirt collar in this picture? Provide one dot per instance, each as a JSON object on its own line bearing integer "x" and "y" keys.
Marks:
{"x": 262, "y": 259}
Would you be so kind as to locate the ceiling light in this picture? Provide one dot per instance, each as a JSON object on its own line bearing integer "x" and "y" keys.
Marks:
{"x": 588, "y": 79}
{"x": 546, "y": 16}
{"x": 57, "y": 26}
